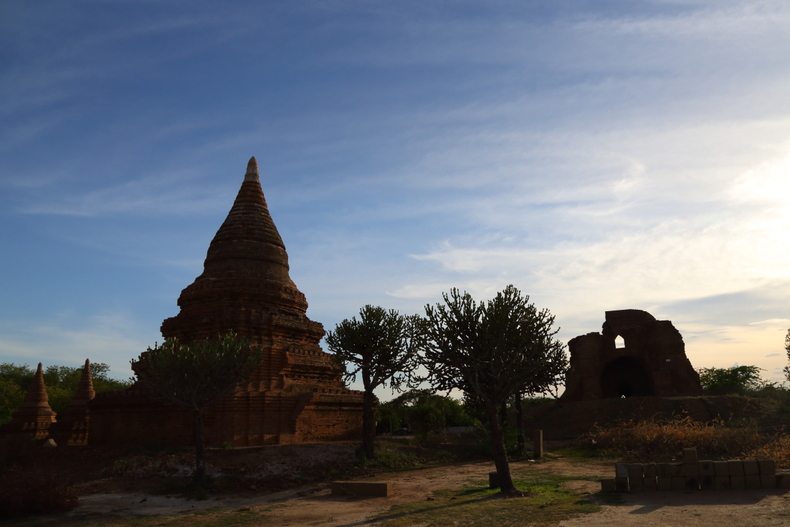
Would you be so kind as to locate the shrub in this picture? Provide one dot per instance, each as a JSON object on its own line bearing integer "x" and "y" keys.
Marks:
{"x": 734, "y": 380}
{"x": 34, "y": 492}
{"x": 664, "y": 439}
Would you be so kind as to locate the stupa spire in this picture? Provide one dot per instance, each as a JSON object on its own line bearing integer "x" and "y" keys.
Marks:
{"x": 252, "y": 171}
{"x": 85, "y": 391}
{"x": 35, "y": 415}
{"x": 36, "y": 396}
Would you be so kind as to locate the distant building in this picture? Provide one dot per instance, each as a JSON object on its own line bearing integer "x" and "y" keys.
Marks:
{"x": 296, "y": 394}
{"x": 651, "y": 360}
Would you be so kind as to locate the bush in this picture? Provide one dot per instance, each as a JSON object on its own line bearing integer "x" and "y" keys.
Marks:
{"x": 736, "y": 380}
{"x": 664, "y": 440}
{"x": 24, "y": 493}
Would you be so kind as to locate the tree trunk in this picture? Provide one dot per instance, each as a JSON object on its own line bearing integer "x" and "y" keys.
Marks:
{"x": 200, "y": 465}
{"x": 500, "y": 454}
{"x": 368, "y": 424}
{"x": 522, "y": 443}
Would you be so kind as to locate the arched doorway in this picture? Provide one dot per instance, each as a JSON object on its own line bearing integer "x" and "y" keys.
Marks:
{"x": 626, "y": 376}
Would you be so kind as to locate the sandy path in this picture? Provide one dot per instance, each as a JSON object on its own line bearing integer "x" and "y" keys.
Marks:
{"x": 314, "y": 505}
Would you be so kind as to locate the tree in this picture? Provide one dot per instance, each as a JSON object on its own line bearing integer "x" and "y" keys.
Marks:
{"x": 491, "y": 351}
{"x": 381, "y": 347}
{"x": 737, "y": 379}
{"x": 787, "y": 349}
{"x": 196, "y": 375}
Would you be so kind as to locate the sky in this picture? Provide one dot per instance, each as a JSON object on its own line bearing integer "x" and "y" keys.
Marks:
{"x": 598, "y": 155}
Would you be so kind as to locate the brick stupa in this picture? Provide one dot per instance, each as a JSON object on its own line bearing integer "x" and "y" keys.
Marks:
{"x": 296, "y": 395}
{"x": 35, "y": 416}
{"x": 72, "y": 427}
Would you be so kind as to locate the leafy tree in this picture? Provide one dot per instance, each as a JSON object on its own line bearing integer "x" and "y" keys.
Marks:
{"x": 491, "y": 350}
{"x": 381, "y": 347}
{"x": 196, "y": 375}
{"x": 423, "y": 412}
{"x": 61, "y": 382}
{"x": 737, "y": 379}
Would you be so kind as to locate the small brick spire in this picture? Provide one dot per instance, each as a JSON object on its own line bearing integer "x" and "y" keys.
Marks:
{"x": 36, "y": 396}
{"x": 35, "y": 415}
{"x": 252, "y": 171}
{"x": 84, "y": 392}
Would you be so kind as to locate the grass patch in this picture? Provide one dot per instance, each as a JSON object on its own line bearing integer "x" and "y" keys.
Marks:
{"x": 477, "y": 505}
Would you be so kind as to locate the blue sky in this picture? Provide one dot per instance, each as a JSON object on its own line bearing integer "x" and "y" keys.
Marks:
{"x": 597, "y": 155}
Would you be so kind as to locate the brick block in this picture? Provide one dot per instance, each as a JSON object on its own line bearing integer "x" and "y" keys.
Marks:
{"x": 676, "y": 470}
{"x": 649, "y": 484}
{"x": 635, "y": 484}
{"x": 690, "y": 456}
{"x": 690, "y": 470}
{"x": 607, "y": 485}
{"x": 767, "y": 467}
{"x": 621, "y": 484}
{"x": 678, "y": 484}
{"x": 751, "y": 467}
{"x": 621, "y": 470}
{"x": 493, "y": 480}
{"x": 649, "y": 470}
{"x": 691, "y": 484}
{"x": 665, "y": 484}
{"x": 736, "y": 467}
{"x": 783, "y": 481}
{"x": 721, "y": 483}
{"x": 706, "y": 468}
{"x": 721, "y": 468}
{"x": 706, "y": 482}
{"x": 752, "y": 482}
{"x": 635, "y": 471}
{"x": 663, "y": 470}
{"x": 738, "y": 482}
{"x": 361, "y": 488}
{"x": 768, "y": 482}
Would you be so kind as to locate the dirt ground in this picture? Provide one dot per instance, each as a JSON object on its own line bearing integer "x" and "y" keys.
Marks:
{"x": 314, "y": 504}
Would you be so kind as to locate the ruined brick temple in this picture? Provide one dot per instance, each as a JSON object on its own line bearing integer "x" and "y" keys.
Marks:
{"x": 650, "y": 361}
{"x": 295, "y": 395}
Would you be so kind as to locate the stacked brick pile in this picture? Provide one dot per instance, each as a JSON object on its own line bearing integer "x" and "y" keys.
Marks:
{"x": 692, "y": 474}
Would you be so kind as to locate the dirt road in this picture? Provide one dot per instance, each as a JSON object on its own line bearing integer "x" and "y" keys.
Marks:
{"x": 314, "y": 505}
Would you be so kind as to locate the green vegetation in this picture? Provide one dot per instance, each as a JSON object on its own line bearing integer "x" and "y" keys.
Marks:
{"x": 492, "y": 351}
{"x": 195, "y": 375}
{"x": 61, "y": 382}
{"x": 423, "y": 412}
{"x": 382, "y": 348}
{"x": 735, "y": 380}
{"x": 476, "y": 505}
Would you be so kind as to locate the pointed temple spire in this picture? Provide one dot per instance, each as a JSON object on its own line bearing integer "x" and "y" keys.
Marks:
{"x": 36, "y": 396}
{"x": 85, "y": 391}
{"x": 252, "y": 171}
{"x": 296, "y": 394}
{"x": 35, "y": 415}
{"x": 72, "y": 427}
{"x": 246, "y": 267}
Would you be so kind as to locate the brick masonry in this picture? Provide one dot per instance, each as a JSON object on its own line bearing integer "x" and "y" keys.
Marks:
{"x": 694, "y": 475}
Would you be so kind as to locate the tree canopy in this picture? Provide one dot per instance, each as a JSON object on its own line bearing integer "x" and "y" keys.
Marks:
{"x": 492, "y": 350}
{"x": 737, "y": 379}
{"x": 196, "y": 375}
{"x": 381, "y": 347}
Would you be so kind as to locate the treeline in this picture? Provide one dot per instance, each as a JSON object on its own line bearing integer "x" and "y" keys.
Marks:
{"x": 61, "y": 382}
